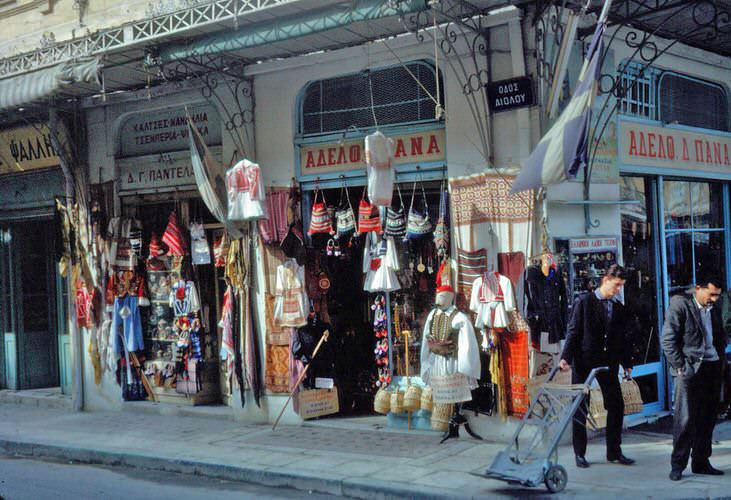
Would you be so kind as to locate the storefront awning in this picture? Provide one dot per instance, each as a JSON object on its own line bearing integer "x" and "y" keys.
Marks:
{"x": 25, "y": 89}
{"x": 314, "y": 22}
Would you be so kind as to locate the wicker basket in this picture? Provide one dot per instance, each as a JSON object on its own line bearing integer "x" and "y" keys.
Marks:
{"x": 412, "y": 398}
{"x": 397, "y": 402}
{"x": 427, "y": 402}
{"x": 440, "y": 416}
{"x": 631, "y": 396}
{"x": 596, "y": 408}
{"x": 382, "y": 401}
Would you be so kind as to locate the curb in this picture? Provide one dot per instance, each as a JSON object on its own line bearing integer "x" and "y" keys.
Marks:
{"x": 353, "y": 488}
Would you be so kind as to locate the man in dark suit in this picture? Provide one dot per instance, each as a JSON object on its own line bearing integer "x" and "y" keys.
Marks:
{"x": 596, "y": 337}
{"x": 694, "y": 345}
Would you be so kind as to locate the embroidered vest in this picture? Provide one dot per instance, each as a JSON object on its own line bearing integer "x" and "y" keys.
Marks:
{"x": 442, "y": 338}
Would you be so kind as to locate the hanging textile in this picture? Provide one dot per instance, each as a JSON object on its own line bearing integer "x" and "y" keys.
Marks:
{"x": 274, "y": 228}
{"x": 485, "y": 215}
{"x": 470, "y": 266}
{"x": 199, "y": 249}
{"x": 251, "y": 350}
{"x": 245, "y": 188}
{"x": 515, "y": 366}
{"x": 228, "y": 348}
{"x": 276, "y": 374}
{"x": 379, "y": 151}
{"x": 173, "y": 237}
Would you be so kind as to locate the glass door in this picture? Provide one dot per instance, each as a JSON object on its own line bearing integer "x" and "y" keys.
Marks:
{"x": 693, "y": 232}
{"x": 643, "y": 289}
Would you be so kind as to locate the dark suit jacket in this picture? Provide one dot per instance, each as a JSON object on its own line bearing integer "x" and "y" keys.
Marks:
{"x": 592, "y": 340}
{"x": 683, "y": 335}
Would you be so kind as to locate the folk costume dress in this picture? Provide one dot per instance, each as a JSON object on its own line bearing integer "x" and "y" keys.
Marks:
{"x": 290, "y": 304}
{"x": 245, "y": 188}
{"x": 492, "y": 298}
{"x": 464, "y": 357}
{"x": 380, "y": 263}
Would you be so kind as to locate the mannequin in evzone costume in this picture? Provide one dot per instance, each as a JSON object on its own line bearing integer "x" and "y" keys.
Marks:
{"x": 448, "y": 348}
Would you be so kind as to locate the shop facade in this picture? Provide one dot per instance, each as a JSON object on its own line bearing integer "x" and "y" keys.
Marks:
{"x": 36, "y": 348}
{"x": 659, "y": 194}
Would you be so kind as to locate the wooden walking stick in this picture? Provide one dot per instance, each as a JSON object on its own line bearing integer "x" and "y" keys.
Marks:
{"x": 397, "y": 328}
{"x": 325, "y": 334}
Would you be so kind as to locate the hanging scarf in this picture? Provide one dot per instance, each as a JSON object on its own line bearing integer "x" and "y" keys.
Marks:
{"x": 173, "y": 236}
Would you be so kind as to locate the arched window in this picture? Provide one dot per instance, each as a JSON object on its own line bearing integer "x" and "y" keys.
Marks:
{"x": 335, "y": 105}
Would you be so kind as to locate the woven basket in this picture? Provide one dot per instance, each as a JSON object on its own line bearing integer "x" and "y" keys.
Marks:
{"x": 397, "y": 402}
{"x": 412, "y": 398}
{"x": 631, "y": 396}
{"x": 427, "y": 402}
{"x": 440, "y": 416}
{"x": 382, "y": 401}
{"x": 596, "y": 408}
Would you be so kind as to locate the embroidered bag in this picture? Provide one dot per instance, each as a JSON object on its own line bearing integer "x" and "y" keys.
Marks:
{"x": 418, "y": 225}
{"x": 396, "y": 219}
{"x": 320, "y": 220}
{"x": 441, "y": 231}
{"x": 345, "y": 218}
{"x": 369, "y": 219}
{"x": 200, "y": 252}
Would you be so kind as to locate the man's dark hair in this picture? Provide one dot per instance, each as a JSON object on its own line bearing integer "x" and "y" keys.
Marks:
{"x": 705, "y": 277}
{"x": 615, "y": 271}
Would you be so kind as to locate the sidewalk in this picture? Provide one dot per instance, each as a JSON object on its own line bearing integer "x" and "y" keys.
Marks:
{"x": 348, "y": 462}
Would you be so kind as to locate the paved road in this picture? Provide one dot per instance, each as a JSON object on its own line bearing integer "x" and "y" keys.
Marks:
{"x": 22, "y": 479}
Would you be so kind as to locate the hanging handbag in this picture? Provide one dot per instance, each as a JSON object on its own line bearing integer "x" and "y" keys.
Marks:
{"x": 369, "y": 219}
{"x": 441, "y": 231}
{"x": 396, "y": 219}
{"x": 418, "y": 225}
{"x": 320, "y": 221}
{"x": 293, "y": 243}
{"x": 200, "y": 252}
{"x": 344, "y": 218}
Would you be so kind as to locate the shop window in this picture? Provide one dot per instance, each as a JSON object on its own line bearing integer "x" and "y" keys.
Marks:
{"x": 393, "y": 94}
{"x": 694, "y": 234}
{"x": 672, "y": 98}
{"x": 638, "y": 251}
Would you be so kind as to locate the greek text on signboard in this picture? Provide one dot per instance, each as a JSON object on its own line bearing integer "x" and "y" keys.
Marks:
{"x": 510, "y": 94}
{"x": 167, "y": 130}
{"x": 588, "y": 245}
{"x": 656, "y": 146}
{"x": 27, "y": 148}
{"x": 350, "y": 155}
{"x": 159, "y": 172}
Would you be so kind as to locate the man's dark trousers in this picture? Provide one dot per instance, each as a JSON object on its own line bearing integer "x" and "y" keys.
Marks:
{"x": 613, "y": 402}
{"x": 696, "y": 410}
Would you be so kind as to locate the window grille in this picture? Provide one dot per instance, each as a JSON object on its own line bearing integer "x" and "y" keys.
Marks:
{"x": 337, "y": 104}
{"x": 672, "y": 98}
{"x": 639, "y": 88}
{"x": 692, "y": 102}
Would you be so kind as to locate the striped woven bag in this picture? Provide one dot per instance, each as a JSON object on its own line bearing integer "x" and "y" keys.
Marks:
{"x": 320, "y": 221}
{"x": 369, "y": 220}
